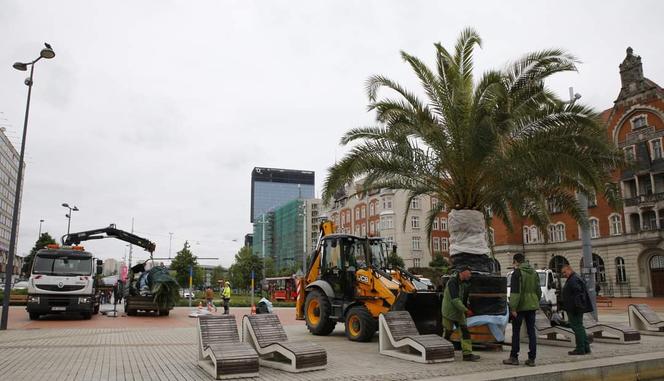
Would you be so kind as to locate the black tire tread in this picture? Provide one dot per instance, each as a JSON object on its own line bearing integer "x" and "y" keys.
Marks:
{"x": 326, "y": 325}
{"x": 368, "y": 324}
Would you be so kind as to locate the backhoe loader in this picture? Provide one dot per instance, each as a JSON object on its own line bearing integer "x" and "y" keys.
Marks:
{"x": 347, "y": 282}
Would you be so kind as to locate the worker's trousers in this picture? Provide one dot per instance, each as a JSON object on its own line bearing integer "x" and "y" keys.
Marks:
{"x": 451, "y": 326}
{"x": 227, "y": 302}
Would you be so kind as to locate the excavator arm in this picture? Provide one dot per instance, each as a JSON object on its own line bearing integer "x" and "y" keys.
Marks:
{"x": 109, "y": 232}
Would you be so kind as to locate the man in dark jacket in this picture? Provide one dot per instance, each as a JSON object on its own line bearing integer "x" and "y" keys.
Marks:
{"x": 576, "y": 302}
{"x": 455, "y": 311}
{"x": 525, "y": 294}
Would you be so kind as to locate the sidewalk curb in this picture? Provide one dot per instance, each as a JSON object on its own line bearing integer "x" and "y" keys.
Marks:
{"x": 645, "y": 366}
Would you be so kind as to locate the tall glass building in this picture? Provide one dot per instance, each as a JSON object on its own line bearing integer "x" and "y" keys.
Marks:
{"x": 274, "y": 187}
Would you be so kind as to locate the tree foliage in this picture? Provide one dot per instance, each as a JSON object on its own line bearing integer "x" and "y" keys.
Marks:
{"x": 240, "y": 270}
{"x": 218, "y": 273}
{"x": 394, "y": 260}
{"x": 439, "y": 262}
{"x": 181, "y": 263}
{"x": 504, "y": 141}
{"x": 44, "y": 239}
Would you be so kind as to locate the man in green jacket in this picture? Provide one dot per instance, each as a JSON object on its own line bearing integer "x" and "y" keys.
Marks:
{"x": 455, "y": 299}
{"x": 525, "y": 294}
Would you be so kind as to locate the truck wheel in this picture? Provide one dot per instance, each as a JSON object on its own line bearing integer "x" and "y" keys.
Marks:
{"x": 360, "y": 325}
{"x": 317, "y": 310}
{"x": 34, "y": 316}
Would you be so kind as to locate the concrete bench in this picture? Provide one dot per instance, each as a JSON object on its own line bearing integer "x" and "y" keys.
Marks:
{"x": 610, "y": 333}
{"x": 398, "y": 337}
{"x": 550, "y": 335}
{"x": 265, "y": 333}
{"x": 220, "y": 351}
{"x": 645, "y": 320}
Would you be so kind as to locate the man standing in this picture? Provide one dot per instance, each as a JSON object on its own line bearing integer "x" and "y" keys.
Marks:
{"x": 576, "y": 302}
{"x": 525, "y": 294}
{"x": 455, "y": 311}
{"x": 209, "y": 298}
{"x": 226, "y": 295}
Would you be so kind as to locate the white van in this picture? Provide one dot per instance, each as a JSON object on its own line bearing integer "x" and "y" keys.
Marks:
{"x": 548, "y": 283}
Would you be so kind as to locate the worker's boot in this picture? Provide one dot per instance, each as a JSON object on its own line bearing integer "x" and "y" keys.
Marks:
{"x": 471, "y": 357}
{"x": 511, "y": 361}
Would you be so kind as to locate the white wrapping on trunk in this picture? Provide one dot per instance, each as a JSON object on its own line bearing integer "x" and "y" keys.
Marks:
{"x": 467, "y": 232}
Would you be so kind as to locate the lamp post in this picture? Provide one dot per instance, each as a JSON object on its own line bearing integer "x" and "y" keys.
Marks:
{"x": 40, "y": 225}
{"x": 48, "y": 53}
{"x": 68, "y": 215}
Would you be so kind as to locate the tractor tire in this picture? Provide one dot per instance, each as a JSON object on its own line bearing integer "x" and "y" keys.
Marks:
{"x": 317, "y": 309}
{"x": 360, "y": 325}
{"x": 34, "y": 316}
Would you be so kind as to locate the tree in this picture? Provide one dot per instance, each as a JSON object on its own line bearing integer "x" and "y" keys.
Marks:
{"x": 394, "y": 260}
{"x": 439, "y": 261}
{"x": 504, "y": 143}
{"x": 181, "y": 263}
{"x": 44, "y": 239}
{"x": 218, "y": 273}
{"x": 240, "y": 270}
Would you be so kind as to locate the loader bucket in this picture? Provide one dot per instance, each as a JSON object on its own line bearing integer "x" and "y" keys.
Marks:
{"x": 425, "y": 309}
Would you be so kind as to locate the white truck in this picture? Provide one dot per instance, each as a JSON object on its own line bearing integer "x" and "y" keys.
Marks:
{"x": 62, "y": 280}
{"x": 549, "y": 283}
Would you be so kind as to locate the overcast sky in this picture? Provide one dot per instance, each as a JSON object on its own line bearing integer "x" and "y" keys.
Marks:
{"x": 159, "y": 110}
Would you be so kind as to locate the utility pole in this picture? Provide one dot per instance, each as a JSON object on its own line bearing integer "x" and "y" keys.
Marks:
{"x": 304, "y": 236}
{"x": 130, "y": 245}
{"x": 588, "y": 271}
{"x": 170, "y": 241}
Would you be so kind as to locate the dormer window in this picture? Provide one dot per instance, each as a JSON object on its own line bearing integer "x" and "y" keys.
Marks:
{"x": 639, "y": 122}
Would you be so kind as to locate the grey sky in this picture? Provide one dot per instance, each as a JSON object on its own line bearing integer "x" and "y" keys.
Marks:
{"x": 158, "y": 110}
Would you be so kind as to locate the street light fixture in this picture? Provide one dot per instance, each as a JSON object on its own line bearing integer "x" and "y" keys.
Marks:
{"x": 47, "y": 53}
{"x": 40, "y": 225}
{"x": 68, "y": 215}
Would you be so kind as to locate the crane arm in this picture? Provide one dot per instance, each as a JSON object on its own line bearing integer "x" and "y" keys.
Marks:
{"x": 109, "y": 232}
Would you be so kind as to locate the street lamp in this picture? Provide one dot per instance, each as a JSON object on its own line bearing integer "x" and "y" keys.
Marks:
{"x": 40, "y": 225}
{"x": 48, "y": 53}
{"x": 68, "y": 215}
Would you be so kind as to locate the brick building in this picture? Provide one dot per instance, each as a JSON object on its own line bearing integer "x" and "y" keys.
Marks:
{"x": 628, "y": 245}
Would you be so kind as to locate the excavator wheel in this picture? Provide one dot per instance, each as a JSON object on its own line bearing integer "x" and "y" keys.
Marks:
{"x": 317, "y": 310}
{"x": 360, "y": 325}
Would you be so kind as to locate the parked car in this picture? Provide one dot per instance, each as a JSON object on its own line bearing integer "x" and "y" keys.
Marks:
{"x": 22, "y": 285}
{"x": 186, "y": 293}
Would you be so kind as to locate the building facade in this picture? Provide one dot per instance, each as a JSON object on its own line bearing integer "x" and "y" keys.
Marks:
{"x": 273, "y": 187}
{"x": 9, "y": 162}
{"x": 287, "y": 233}
{"x": 627, "y": 244}
{"x": 381, "y": 214}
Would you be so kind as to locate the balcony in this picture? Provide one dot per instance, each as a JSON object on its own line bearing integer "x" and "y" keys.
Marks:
{"x": 645, "y": 200}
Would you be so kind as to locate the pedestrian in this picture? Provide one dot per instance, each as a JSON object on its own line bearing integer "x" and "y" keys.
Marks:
{"x": 209, "y": 297}
{"x": 455, "y": 311}
{"x": 525, "y": 295}
{"x": 226, "y": 295}
{"x": 576, "y": 302}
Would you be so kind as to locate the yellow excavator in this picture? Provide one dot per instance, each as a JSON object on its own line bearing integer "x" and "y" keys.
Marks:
{"x": 348, "y": 281}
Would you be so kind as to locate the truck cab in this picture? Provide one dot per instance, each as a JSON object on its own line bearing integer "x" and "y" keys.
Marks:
{"x": 63, "y": 280}
{"x": 549, "y": 284}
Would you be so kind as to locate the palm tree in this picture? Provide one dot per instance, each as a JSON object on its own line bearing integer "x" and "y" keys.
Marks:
{"x": 505, "y": 142}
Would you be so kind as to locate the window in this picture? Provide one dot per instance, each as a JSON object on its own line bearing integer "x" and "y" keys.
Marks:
{"x": 443, "y": 223}
{"x": 372, "y": 208}
{"x": 592, "y": 199}
{"x": 594, "y": 228}
{"x": 526, "y": 234}
{"x": 386, "y": 222}
{"x": 621, "y": 274}
{"x": 387, "y": 203}
{"x": 415, "y": 203}
{"x": 552, "y": 232}
{"x": 615, "y": 224}
{"x": 372, "y": 228}
{"x": 444, "y": 244}
{"x": 416, "y": 262}
{"x": 629, "y": 153}
{"x": 357, "y": 214}
{"x": 363, "y": 231}
{"x": 436, "y": 244}
{"x": 434, "y": 225}
{"x": 343, "y": 218}
{"x": 656, "y": 148}
{"x": 415, "y": 222}
{"x": 553, "y": 205}
{"x": 434, "y": 202}
{"x": 639, "y": 122}
{"x": 560, "y": 233}
{"x": 444, "y": 208}
{"x": 415, "y": 243}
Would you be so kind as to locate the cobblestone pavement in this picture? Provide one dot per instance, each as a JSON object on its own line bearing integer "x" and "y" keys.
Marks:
{"x": 169, "y": 353}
